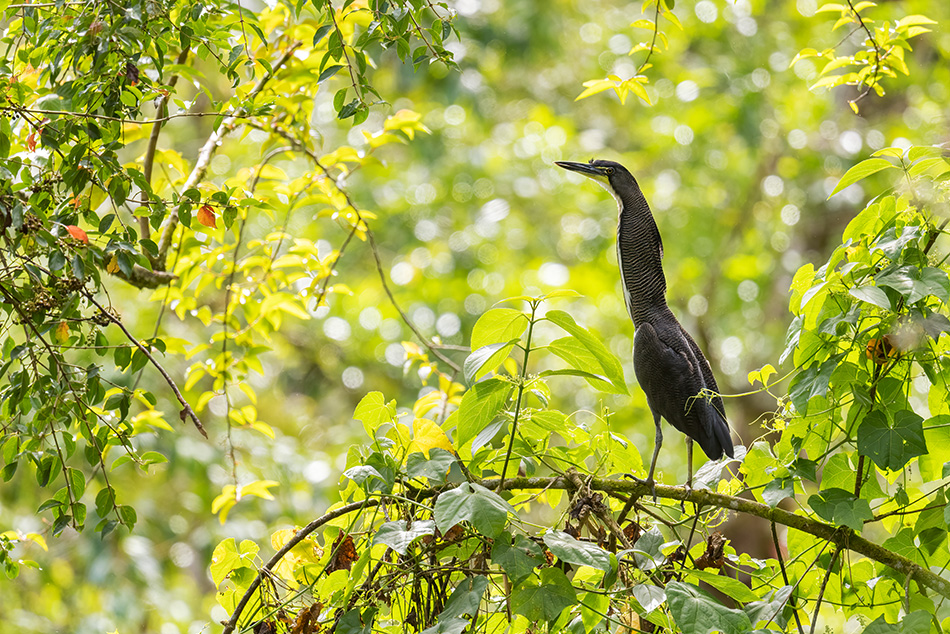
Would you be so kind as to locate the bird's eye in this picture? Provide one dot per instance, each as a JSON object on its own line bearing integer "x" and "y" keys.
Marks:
{"x": 609, "y": 171}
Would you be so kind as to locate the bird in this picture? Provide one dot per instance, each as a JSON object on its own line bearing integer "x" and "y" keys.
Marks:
{"x": 669, "y": 366}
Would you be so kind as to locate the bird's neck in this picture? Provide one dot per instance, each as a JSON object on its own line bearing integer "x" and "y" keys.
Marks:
{"x": 640, "y": 254}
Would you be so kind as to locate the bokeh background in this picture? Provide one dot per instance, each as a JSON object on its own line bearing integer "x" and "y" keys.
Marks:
{"x": 736, "y": 156}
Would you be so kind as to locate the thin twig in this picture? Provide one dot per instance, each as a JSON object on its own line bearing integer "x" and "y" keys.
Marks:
{"x": 382, "y": 277}
{"x": 781, "y": 564}
{"x": 877, "y": 55}
{"x": 102, "y": 117}
{"x": 186, "y": 410}
{"x": 149, "y": 161}
{"x": 824, "y": 584}
{"x": 208, "y": 150}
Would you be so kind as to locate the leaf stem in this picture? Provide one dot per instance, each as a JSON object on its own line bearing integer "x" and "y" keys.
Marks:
{"x": 521, "y": 384}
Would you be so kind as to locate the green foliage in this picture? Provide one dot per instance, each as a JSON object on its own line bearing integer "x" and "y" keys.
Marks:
{"x": 234, "y": 165}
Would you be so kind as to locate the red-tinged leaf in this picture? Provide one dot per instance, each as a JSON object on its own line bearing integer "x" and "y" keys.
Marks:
{"x": 31, "y": 142}
{"x": 77, "y": 233}
{"x": 206, "y": 216}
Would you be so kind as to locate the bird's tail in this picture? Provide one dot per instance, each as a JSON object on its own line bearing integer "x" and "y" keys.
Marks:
{"x": 716, "y": 440}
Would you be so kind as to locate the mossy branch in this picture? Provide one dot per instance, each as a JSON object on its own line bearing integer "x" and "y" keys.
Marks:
{"x": 842, "y": 537}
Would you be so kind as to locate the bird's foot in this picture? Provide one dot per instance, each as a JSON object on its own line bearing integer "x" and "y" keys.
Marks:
{"x": 688, "y": 487}
{"x": 649, "y": 482}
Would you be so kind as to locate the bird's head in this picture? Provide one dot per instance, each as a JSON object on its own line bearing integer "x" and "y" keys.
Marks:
{"x": 611, "y": 175}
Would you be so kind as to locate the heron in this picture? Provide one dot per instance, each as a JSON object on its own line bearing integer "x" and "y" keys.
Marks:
{"x": 670, "y": 368}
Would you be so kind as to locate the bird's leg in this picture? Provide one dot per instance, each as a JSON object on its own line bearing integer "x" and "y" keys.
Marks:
{"x": 650, "y": 482}
{"x": 689, "y": 470}
{"x": 689, "y": 463}
{"x": 656, "y": 452}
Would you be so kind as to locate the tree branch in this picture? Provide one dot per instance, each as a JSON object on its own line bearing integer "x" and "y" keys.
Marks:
{"x": 207, "y": 151}
{"x": 841, "y": 537}
{"x": 186, "y": 410}
{"x": 149, "y": 162}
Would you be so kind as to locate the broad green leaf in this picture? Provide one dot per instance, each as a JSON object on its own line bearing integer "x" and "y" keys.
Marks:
{"x": 498, "y": 325}
{"x": 891, "y": 442}
{"x": 917, "y": 622}
{"x": 398, "y": 537}
{"x": 937, "y": 438}
{"x": 777, "y": 490}
{"x": 648, "y": 596}
{"x": 646, "y": 550}
{"x": 479, "y": 407}
{"x": 811, "y": 382}
{"x": 486, "y": 359}
{"x": 546, "y": 601}
{"x": 861, "y": 171}
{"x": 866, "y": 223}
{"x": 373, "y": 411}
{"x": 698, "y": 613}
{"x": 937, "y": 283}
{"x": 436, "y": 467}
{"x": 841, "y": 507}
{"x": 892, "y": 243}
{"x": 465, "y": 598}
{"x": 871, "y": 295}
{"x": 517, "y": 558}
{"x": 578, "y": 356}
{"x": 470, "y": 502}
{"x": 773, "y": 608}
{"x": 224, "y": 559}
{"x": 571, "y": 550}
{"x": 727, "y": 585}
{"x": 609, "y": 364}
{"x": 448, "y": 626}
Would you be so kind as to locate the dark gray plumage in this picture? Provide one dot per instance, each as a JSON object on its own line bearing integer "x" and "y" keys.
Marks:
{"x": 669, "y": 365}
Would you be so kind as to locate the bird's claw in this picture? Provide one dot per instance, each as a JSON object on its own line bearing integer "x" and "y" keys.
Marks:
{"x": 688, "y": 487}
{"x": 649, "y": 482}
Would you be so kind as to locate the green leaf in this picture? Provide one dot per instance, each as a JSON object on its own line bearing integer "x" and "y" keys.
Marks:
{"x": 609, "y": 364}
{"x": 647, "y": 550}
{"x": 578, "y": 356}
{"x": 871, "y": 295}
{"x": 727, "y": 585}
{"x": 517, "y": 558}
{"x": 447, "y": 626}
{"x": 470, "y": 502}
{"x": 485, "y": 359}
{"x": 811, "y": 382}
{"x": 398, "y": 537}
{"x": 777, "y": 490}
{"x": 917, "y": 622}
{"x": 573, "y": 551}
{"x": 436, "y": 467}
{"x": 329, "y": 72}
{"x": 891, "y": 442}
{"x": 498, "y": 325}
{"x": 937, "y": 283}
{"x": 465, "y": 598}
{"x": 373, "y": 411}
{"x": 546, "y": 601}
{"x": 841, "y": 507}
{"x": 698, "y": 613}
{"x": 773, "y": 607}
{"x": 861, "y": 171}
{"x": 649, "y": 597}
{"x": 479, "y": 407}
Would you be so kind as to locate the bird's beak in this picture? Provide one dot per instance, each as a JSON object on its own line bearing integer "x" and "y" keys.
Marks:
{"x": 583, "y": 168}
